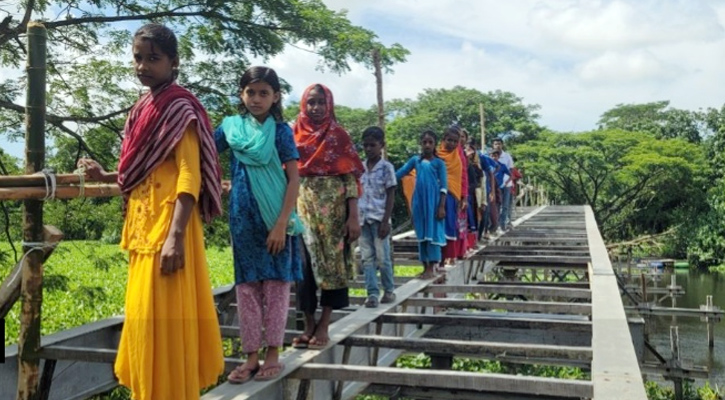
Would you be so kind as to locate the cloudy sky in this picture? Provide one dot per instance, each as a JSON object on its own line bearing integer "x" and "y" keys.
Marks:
{"x": 576, "y": 59}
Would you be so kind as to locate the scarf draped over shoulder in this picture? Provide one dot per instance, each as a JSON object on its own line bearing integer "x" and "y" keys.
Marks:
{"x": 454, "y": 169}
{"x": 253, "y": 144}
{"x": 154, "y": 127}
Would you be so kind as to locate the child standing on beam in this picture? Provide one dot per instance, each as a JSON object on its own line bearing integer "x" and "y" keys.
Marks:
{"x": 265, "y": 229}
{"x": 169, "y": 177}
{"x": 330, "y": 171}
{"x": 376, "y": 206}
{"x": 428, "y": 202}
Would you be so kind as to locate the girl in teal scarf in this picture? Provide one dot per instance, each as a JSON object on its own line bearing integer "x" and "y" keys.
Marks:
{"x": 262, "y": 220}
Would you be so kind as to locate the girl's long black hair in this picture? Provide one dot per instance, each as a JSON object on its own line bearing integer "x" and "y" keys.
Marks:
{"x": 262, "y": 74}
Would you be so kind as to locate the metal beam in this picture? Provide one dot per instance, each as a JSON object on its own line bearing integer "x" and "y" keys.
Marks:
{"x": 511, "y": 289}
{"x": 446, "y": 379}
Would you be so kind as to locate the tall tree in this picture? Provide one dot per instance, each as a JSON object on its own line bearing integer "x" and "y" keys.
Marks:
{"x": 91, "y": 85}
{"x": 438, "y": 108}
{"x": 658, "y": 119}
{"x": 633, "y": 181}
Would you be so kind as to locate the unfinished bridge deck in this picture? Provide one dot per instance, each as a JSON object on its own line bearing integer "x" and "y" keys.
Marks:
{"x": 543, "y": 293}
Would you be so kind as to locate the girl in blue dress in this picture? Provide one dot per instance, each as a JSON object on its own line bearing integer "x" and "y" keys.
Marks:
{"x": 265, "y": 229}
{"x": 429, "y": 202}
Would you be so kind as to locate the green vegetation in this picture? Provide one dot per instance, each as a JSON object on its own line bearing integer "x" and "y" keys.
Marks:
{"x": 659, "y": 392}
{"x": 86, "y": 281}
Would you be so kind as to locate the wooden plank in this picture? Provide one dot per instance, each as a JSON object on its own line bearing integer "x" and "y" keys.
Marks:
{"x": 338, "y": 332}
{"x": 490, "y": 320}
{"x": 615, "y": 369}
{"x": 523, "y": 306}
{"x": 523, "y": 290}
{"x": 488, "y": 350}
{"x": 446, "y": 379}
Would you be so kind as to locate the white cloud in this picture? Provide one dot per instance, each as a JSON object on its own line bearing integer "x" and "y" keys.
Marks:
{"x": 619, "y": 25}
{"x": 636, "y": 67}
{"x": 575, "y": 58}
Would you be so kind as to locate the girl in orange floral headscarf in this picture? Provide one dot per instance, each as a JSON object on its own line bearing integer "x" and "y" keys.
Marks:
{"x": 330, "y": 170}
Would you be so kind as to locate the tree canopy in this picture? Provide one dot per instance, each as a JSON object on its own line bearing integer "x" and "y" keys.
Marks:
{"x": 656, "y": 118}
{"x": 90, "y": 84}
{"x": 633, "y": 181}
{"x": 438, "y": 108}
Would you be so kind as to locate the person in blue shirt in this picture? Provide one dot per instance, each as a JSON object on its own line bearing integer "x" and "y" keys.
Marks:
{"x": 490, "y": 213}
{"x": 503, "y": 176}
{"x": 375, "y": 207}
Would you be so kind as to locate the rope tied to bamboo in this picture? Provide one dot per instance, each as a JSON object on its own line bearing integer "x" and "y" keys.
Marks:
{"x": 81, "y": 172}
{"x": 50, "y": 183}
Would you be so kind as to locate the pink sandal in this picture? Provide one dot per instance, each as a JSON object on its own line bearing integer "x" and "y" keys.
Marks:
{"x": 279, "y": 366}
{"x": 241, "y": 375}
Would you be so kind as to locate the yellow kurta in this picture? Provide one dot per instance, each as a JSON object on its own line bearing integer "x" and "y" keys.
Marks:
{"x": 170, "y": 344}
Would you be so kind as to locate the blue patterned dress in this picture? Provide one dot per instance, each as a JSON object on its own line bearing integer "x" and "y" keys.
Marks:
{"x": 252, "y": 261}
{"x": 430, "y": 181}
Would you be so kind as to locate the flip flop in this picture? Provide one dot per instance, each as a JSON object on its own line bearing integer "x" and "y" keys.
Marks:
{"x": 280, "y": 368}
{"x": 232, "y": 377}
{"x": 316, "y": 346}
{"x": 301, "y": 342}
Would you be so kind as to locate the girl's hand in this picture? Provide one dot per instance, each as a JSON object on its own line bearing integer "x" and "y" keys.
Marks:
{"x": 172, "y": 254}
{"x": 352, "y": 228}
{"x": 464, "y": 204}
{"x": 384, "y": 230}
{"x": 441, "y": 212}
{"x": 276, "y": 238}
{"x": 226, "y": 187}
{"x": 93, "y": 168}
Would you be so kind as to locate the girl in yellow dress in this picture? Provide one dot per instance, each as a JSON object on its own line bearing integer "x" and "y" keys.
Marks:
{"x": 169, "y": 176}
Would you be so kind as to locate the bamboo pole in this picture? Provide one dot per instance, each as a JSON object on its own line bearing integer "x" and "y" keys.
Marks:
{"x": 32, "y": 270}
{"x": 14, "y": 181}
{"x": 483, "y": 127}
{"x": 61, "y": 192}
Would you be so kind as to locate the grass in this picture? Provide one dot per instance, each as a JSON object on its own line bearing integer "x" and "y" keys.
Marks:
{"x": 86, "y": 282}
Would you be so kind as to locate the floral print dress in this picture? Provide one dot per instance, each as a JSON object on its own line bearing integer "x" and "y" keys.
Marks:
{"x": 322, "y": 206}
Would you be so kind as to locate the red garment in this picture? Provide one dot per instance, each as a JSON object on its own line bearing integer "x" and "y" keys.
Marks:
{"x": 515, "y": 177}
{"x": 325, "y": 149}
{"x": 154, "y": 127}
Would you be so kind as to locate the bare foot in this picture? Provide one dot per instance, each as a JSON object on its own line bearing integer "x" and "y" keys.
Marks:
{"x": 429, "y": 273}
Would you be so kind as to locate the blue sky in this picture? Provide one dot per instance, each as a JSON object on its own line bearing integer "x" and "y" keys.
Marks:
{"x": 574, "y": 58}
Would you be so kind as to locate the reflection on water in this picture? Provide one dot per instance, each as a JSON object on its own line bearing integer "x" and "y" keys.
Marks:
{"x": 692, "y": 331}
